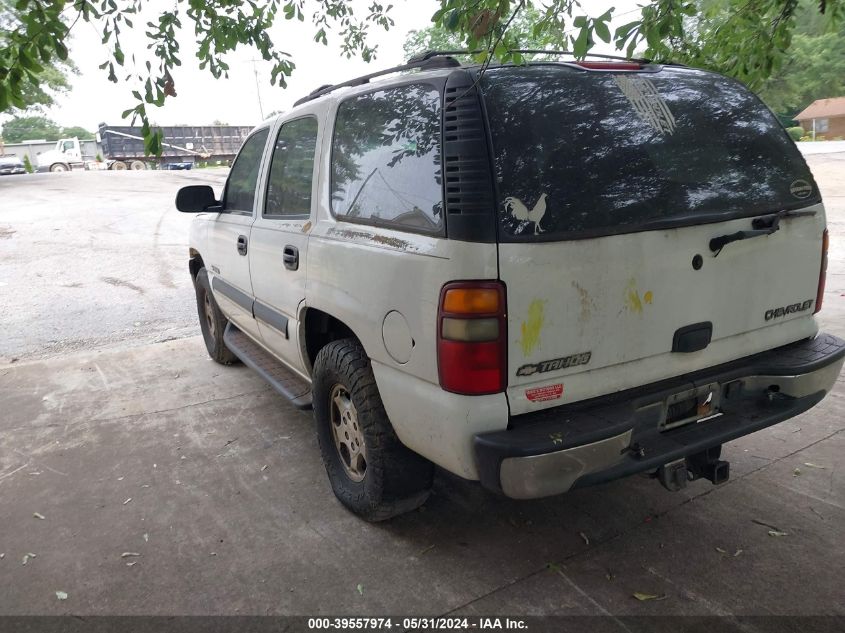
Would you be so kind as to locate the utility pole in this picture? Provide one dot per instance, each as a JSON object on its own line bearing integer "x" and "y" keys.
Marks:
{"x": 257, "y": 87}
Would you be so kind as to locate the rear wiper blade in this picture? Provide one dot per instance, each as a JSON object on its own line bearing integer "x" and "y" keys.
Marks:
{"x": 763, "y": 225}
{"x": 767, "y": 221}
{"x": 718, "y": 243}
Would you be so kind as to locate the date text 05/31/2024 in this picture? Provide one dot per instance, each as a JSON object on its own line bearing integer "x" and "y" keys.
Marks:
{"x": 416, "y": 624}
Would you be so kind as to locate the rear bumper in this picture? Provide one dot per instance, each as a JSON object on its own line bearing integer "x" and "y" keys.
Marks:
{"x": 587, "y": 443}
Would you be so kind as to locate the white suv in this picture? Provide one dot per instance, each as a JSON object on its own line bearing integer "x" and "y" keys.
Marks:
{"x": 540, "y": 277}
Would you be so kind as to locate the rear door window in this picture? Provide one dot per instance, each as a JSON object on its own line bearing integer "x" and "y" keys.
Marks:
{"x": 292, "y": 169}
{"x": 386, "y": 159}
{"x": 580, "y": 154}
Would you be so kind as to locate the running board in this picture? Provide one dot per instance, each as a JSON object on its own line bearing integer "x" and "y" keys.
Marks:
{"x": 282, "y": 379}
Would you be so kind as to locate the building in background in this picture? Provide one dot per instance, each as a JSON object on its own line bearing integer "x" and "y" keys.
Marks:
{"x": 824, "y": 117}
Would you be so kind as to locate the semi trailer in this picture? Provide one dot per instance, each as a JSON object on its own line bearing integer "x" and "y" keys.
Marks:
{"x": 122, "y": 147}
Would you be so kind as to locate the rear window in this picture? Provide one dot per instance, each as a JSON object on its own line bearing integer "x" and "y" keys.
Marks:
{"x": 579, "y": 154}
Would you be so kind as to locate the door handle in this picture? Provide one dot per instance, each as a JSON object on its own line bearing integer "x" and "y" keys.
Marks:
{"x": 242, "y": 244}
{"x": 290, "y": 256}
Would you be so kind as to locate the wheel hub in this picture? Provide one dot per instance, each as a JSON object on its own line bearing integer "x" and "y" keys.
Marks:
{"x": 347, "y": 433}
{"x": 209, "y": 316}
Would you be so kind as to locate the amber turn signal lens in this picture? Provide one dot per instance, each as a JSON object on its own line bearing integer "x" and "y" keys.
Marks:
{"x": 471, "y": 301}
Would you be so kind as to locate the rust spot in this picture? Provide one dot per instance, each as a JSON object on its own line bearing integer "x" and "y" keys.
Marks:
{"x": 306, "y": 227}
{"x": 587, "y": 304}
{"x": 393, "y": 242}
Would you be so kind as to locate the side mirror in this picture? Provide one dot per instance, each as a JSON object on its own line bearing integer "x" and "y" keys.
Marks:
{"x": 195, "y": 199}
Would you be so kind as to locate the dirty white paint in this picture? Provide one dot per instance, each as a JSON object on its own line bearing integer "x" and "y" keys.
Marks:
{"x": 622, "y": 297}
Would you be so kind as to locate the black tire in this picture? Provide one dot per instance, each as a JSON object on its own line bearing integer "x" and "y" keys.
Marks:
{"x": 394, "y": 480}
{"x": 212, "y": 321}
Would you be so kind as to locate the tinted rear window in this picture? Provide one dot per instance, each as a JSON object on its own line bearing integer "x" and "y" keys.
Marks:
{"x": 587, "y": 153}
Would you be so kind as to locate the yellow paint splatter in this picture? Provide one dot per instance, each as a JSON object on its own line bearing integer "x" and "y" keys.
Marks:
{"x": 632, "y": 298}
{"x": 648, "y": 297}
{"x": 532, "y": 327}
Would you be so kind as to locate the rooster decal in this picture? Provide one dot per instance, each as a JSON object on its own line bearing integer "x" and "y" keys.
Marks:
{"x": 518, "y": 210}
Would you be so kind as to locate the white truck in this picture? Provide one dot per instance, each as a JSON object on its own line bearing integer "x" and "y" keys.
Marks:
{"x": 541, "y": 277}
{"x": 122, "y": 147}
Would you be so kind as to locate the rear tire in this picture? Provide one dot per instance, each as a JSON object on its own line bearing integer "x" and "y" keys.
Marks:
{"x": 118, "y": 165}
{"x": 212, "y": 321}
{"x": 371, "y": 472}
{"x": 137, "y": 165}
{"x": 57, "y": 167}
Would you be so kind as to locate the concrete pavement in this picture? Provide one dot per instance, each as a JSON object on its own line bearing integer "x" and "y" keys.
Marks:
{"x": 216, "y": 484}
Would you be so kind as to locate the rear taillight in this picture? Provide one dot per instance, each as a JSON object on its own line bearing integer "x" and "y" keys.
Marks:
{"x": 822, "y": 273}
{"x": 472, "y": 337}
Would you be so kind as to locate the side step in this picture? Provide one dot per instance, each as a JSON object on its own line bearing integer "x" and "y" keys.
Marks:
{"x": 272, "y": 370}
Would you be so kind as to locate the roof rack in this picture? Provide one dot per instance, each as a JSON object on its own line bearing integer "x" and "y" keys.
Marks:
{"x": 428, "y": 55}
{"x": 435, "y": 61}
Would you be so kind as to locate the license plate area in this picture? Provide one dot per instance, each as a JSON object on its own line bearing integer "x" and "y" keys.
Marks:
{"x": 692, "y": 405}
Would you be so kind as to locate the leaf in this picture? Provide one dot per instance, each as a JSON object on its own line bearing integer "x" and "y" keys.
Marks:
{"x": 129, "y": 554}
{"x": 778, "y": 533}
{"x": 643, "y": 597}
{"x": 38, "y": 515}
{"x": 812, "y": 465}
{"x": 602, "y": 31}
{"x": 721, "y": 551}
{"x": 61, "y": 595}
{"x": 360, "y": 588}
{"x": 623, "y": 31}
{"x": 581, "y": 44}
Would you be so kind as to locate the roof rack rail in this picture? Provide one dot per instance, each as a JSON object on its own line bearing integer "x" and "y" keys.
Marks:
{"x": 531, "y": 51}
{"x": 436, "y": 61}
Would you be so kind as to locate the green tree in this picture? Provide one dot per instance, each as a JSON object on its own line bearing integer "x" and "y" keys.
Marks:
{"x": 813, "y": 68}
{"x": 439, "y": 38}
{"x": 30, "y": 128}
{"x": 743, "y": 38}
{"x": 52, "y": 80}
{"x": 79, "y": 132}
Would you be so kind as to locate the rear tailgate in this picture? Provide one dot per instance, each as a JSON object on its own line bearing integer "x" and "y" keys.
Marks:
{"x": 611, "y": 187}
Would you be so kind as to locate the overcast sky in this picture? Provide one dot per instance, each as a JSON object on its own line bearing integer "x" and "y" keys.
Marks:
{"x": 202, "y": 99}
